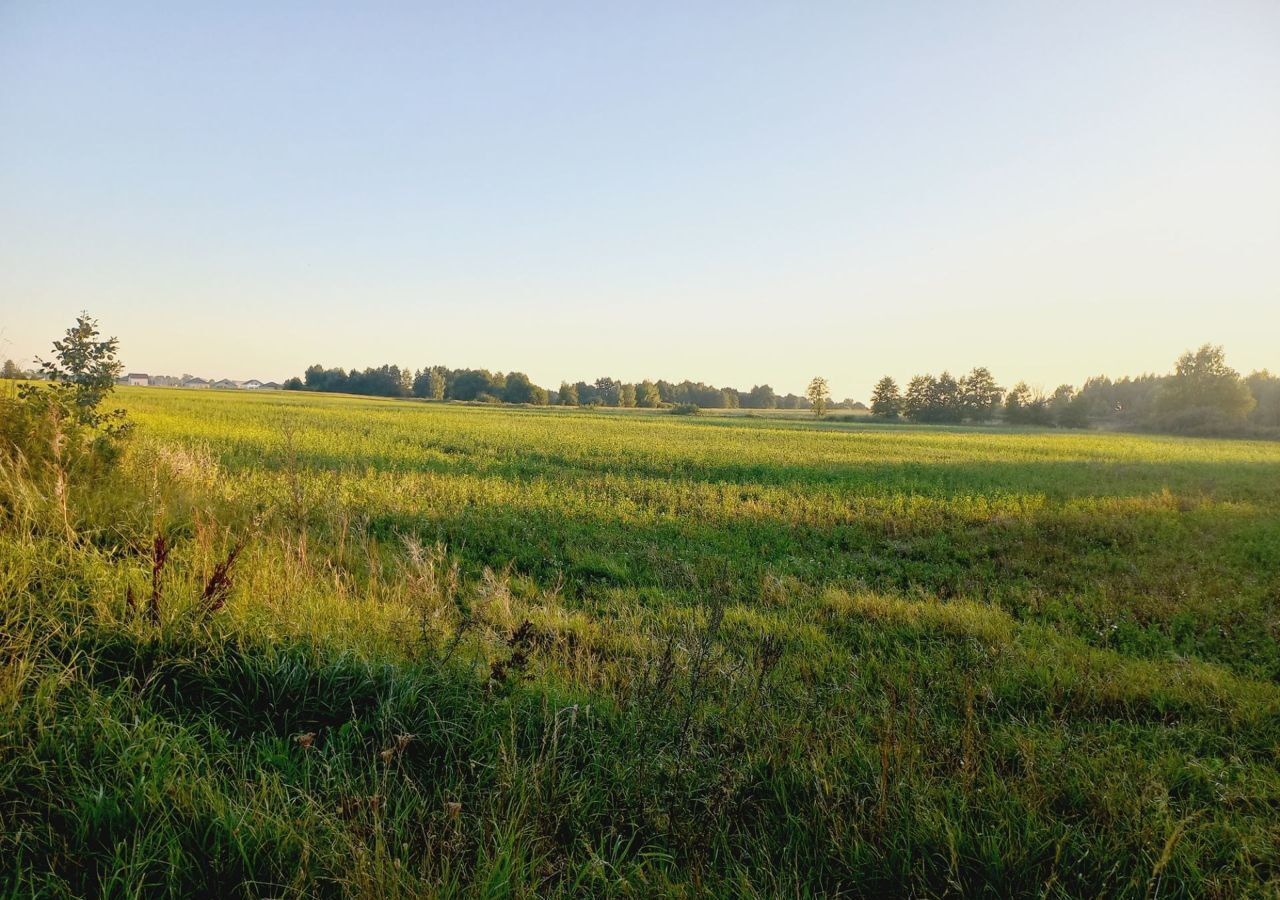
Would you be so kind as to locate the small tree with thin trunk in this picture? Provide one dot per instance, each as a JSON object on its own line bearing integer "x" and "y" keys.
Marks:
{"x": 57, "y": 430}
{"x": 819, "y": 395}
{"x": 81, "y": 374}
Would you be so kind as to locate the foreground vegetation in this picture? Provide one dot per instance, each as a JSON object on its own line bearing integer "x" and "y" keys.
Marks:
{"x": 297, "y": 645}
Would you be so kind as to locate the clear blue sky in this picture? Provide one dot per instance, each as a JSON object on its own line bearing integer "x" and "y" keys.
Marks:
{"x": 731, "y": 192}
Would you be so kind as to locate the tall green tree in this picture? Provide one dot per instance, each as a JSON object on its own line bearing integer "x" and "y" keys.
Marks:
{"x": 761, "y": 396}
{"x": 608, "y": 391}
{"x": 947, "y": 404}
{"x": 519, "y": 389}
{"x": 647, "y": 395}
{"x": 1024, "y": 405}
{"x": 587, "y": 393}
{"x": 430, "y": 383}
{"x": 1204, "y": 385}
{"x": 886, "y": 400}
{"x": 568, "y": 394}
{"x": 980, "y": 396}
{"x": 917, "y": 402}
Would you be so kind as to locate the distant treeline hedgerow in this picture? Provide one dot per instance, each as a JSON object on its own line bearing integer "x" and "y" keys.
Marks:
{"x": 1203, "y": 395}
{"x": 482, "y": 385}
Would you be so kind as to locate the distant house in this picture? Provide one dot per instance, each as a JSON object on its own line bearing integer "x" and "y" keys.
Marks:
{"x": 137, "y": 379}
{"x": 226, "y": 384}
{"x": 271, "y": 386}
{"x": 252, "y": 384}
{"x": 197, "y": 383}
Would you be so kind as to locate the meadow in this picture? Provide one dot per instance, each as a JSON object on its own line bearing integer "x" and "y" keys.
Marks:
{"x": 304, "y": 645}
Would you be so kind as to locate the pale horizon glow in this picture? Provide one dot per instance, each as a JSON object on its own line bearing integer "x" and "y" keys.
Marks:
{"x": 734, "y": 193}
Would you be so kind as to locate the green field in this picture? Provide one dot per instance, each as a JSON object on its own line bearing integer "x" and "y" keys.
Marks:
{"x": 513, "y": 652}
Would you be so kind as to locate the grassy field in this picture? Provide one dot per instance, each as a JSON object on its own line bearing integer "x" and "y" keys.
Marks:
{"x": 516, "y": 652}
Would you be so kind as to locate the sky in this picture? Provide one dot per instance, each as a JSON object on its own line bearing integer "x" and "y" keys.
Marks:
{"x": 736, "y": 193}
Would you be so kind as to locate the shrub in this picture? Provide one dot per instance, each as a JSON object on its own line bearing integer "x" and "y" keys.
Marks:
{"x": 56, "y": 433}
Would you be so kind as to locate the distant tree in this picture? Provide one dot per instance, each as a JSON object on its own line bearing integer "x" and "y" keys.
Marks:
{"x": 380, "y": 381}
{"x": 1024, "y": 405}
{"x": 10, "y": 370}
{"x": 318, "y": 378}
{"x": 291, "y": 384}
{"x": 647, "y": 395}
{"x": 469, "y": 384}
{"x": 1265, "y": 388}
{"x": 917, "y": 403}
{"x": 1204, "y": 389}
{"x": 519, "y": 389}
{"x": 608, "y": 391}
{"x": 568, "y": 394}
{"x": 761, "y": 396}
{"x": 627, "y": 395}
{"x": 980, "y": 395}
{"x": 430, "y": 383}
{"x": 818, "y": 395}
{"x": 587, "y": 394}
{"x": 946, "y": 404}
{"x": 1015, "y": 403}
{"x": 1126, "y": 401}
{"x": 728, "y": 398}
{"x": 886, "y": 401}
{"x": 1060, "y": 403}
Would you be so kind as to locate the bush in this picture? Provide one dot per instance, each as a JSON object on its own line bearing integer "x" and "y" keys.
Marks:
{"x": 686, "y": 409}
{"x": 56, "y": 433}
{"x": 1209, "y": 421}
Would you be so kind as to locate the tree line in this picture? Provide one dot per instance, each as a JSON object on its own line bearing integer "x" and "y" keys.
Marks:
{"x": 482, "y": 385}
{"x": 1203, "y": 395}
{"x": 11, "y": 370}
